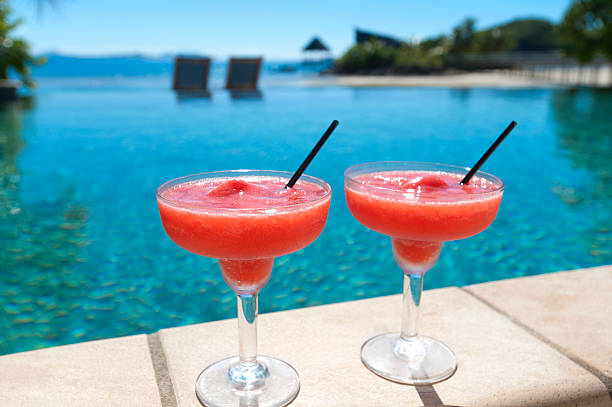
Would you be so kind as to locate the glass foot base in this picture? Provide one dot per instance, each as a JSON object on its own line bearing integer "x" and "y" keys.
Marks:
{"x": 418, "y": 360}
{"x": 281, "y": 386}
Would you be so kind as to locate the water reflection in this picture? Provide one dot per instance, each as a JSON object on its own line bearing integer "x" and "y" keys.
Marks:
{"x": 11, "y": 145}
{"x": 249, "y": 94}
{"x": 190, "y": 95}
{"x": 585, "y": 138}
{"x": 39, "y": 245}
{"x": 462, "y": 94}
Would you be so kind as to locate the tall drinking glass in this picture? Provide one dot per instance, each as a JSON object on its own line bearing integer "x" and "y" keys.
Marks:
{"x": 420, "y": 206}
{"x": 245, "y": 218}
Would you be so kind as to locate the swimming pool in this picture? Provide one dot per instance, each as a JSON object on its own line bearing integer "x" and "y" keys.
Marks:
{"x": 83, "y": 254}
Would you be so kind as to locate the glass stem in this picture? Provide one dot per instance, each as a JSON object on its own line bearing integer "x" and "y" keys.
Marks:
{"x": 413, "y": 287}
{"x": 247, "y": 374}
{"x": 247, "y": 329}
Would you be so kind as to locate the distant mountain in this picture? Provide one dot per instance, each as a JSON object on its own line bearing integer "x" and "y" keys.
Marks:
{"x": 527, "y": 34}
{"x": 125, "y": 65}
{"x": 69, "y": 66}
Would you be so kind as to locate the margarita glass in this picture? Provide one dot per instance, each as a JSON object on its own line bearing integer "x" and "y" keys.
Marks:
{"x": 420, "y": 206}
{"x": 245, "y": 218}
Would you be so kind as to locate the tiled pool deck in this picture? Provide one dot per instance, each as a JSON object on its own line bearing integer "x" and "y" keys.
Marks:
{"x": 535, "y": 341}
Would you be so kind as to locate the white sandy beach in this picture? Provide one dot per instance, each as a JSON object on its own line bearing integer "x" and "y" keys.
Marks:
{"x": 459, "y": 80}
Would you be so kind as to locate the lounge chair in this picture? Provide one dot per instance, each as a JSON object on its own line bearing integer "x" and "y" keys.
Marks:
{"x": 191, "y": 74}
{"x": 243, "y": 73}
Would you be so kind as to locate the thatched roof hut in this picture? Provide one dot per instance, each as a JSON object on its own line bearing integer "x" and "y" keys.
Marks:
{"x": 315, "y": 45}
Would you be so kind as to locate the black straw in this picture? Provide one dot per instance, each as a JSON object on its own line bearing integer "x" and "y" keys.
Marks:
{"x": 312, "y": 154}
{"x": 486, "y": 155}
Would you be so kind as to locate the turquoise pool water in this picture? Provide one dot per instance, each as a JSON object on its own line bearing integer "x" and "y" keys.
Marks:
{"x": 83, "y": 254}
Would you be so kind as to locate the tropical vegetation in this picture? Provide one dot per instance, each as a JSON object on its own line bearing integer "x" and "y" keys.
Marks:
{"x": 14, "y": 52}
{"x": 584, "y": 33}
{"x": 586, "y": 29}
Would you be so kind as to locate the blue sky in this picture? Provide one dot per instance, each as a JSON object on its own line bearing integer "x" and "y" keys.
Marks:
{"x": 275, "y": 29}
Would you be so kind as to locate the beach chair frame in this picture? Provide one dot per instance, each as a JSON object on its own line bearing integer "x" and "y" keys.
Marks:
{"x": 230, "y": 69}
{"x": 178, "y": 61}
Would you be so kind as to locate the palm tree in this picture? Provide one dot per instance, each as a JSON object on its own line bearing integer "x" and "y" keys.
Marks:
{"x": 586, "y": 29}
{"x": 14, "y": 52}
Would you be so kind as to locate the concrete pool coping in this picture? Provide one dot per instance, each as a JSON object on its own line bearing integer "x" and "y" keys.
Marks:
{"x": 544, "y": 340}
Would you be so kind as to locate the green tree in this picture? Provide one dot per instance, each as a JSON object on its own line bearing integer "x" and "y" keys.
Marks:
{"x": 418, "y": 59}
{"x": 366, "y": 57}
{"x": 440, "y": 42}
{"x": 463, "y": 35}
{"x": 518, "y": 35}
{"x": 586, "y": 29}
{"x": 14, "y": 52}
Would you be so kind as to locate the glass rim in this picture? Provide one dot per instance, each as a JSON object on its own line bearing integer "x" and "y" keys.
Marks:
{"x": 211, "y": 174}
{"x": 497, "y": 181}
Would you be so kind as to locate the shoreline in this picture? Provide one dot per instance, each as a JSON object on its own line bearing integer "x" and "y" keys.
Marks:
{"x": 458, "y": 80}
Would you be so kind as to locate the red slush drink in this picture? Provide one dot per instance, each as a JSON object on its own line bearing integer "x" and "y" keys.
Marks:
{"x": 244, "y": 221}
{"x": 422, "y": 209}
